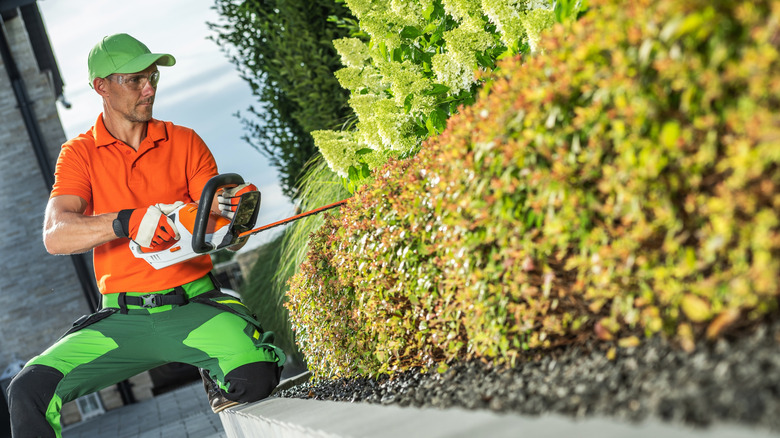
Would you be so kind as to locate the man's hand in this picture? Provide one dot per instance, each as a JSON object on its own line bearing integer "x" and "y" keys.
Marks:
{"x": 149, "y": 227}
{"x": 228, "y": 199}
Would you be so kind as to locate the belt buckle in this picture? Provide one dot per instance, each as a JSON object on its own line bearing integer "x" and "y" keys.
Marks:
{"x": 150, "y": 301}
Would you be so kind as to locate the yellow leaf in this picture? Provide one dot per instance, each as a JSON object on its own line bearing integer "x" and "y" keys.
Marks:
{"x": 602, "y": 330}
{"x": 670, "y": 132}
{"x": 695, "y": 308}
{"x": 685, "y": 337}
{"x": 721, "y": 322}
{"x": 631, "y": 341}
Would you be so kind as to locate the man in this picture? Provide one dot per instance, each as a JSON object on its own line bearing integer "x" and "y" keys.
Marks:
{"x": 116, "y": 183}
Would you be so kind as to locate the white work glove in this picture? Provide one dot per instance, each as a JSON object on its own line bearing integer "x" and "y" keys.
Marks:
{"x": 228, "y": 199}
{"x": 150, "y": 227}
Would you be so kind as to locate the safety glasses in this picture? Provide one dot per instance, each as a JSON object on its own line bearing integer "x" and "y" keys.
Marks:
{"x": 136, "y": 81}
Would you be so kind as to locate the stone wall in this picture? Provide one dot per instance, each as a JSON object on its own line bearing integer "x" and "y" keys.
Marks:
{"x": 40, "y": 294}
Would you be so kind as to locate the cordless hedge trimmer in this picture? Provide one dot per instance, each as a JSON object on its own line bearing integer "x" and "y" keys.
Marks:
{"x": 203, "y": 231}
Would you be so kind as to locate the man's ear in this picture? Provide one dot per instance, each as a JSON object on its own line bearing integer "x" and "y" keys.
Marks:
{"x": 101, "y": 86}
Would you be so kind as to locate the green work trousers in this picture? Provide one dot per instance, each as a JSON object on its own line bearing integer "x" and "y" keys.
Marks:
{"x": 213, "y": 331}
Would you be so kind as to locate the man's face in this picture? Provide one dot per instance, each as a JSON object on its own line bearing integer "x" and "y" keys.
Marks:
{"x": 131, "y": 95}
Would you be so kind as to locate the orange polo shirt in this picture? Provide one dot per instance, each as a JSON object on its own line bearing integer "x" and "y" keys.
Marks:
{"x": 172, "y": 164}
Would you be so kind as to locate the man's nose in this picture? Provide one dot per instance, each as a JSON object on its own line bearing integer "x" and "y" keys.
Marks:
{"x": 148, "y": 89}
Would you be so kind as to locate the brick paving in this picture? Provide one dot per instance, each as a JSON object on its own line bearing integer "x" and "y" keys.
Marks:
{"x": 182, "y": 413}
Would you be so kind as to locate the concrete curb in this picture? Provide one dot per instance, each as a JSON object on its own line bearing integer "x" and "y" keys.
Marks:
{"x": 297, "y": 418}
{"x": 292, "y": 381}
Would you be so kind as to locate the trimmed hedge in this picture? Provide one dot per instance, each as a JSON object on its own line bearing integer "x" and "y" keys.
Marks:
{"x": 622, "y": 184}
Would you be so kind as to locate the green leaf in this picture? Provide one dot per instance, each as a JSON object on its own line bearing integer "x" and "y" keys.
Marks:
{"x": 408, "y": 103}
{"x": 429, "y": 125}
{"x": 430, "y": 27}
{"x": 485, "y": 61}
{"x": 426, "y": 13}
{"x": 504, "y": 54}
{"x": 364, "y": 151}
{"x": 398, "y": 55}
{"x": 439, "y": 119}
{"x": 437, "y": 89}
{"x": 353, "y": 173}
{"x": 437, "y": 35}
{"x": 410, "y": 32}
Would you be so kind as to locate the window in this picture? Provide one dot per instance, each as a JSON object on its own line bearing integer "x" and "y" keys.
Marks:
{"x": 90, "y": 406}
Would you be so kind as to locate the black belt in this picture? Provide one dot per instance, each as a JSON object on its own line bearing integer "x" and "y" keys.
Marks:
{"x": 177, "y": 297}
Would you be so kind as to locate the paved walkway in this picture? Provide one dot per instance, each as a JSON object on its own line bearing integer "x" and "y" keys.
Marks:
{"x": 182, "y": 413}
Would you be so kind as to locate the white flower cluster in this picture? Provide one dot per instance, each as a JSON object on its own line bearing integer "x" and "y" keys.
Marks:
{"x": 409, "y": 12}
{"x": 406, "y": 79}
{"x": 455, "y": 68}
{"x": 381, "y": 126}
{"x": 515, "y": 19}
{"x": 353, "y": 52}
{"x": 383, "y": 20}
{"x": 338, "y": 148}
{"x": 383, "y": 123}
{"x": 537, "y": 20}
{"x": 467, "y": 12}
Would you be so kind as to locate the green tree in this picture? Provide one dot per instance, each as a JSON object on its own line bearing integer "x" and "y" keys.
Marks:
{"x": 284, "y": 50}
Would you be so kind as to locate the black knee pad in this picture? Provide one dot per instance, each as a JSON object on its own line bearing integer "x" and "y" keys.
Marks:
{"x": 29, "y": 396}
{"x": 253, "y": 381}
{"x": 35, "y": 382}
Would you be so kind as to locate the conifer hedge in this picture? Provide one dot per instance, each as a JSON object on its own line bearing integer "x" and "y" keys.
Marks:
{"x": 621, "y": 184}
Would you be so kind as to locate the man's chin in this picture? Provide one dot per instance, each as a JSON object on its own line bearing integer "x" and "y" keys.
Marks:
{"x": 142, "y": 116}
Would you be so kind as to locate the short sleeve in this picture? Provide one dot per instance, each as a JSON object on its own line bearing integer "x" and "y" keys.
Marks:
{"x": 71, "y": 174}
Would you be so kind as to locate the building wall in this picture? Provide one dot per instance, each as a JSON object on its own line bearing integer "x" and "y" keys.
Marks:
{"x": 40, "y": 294}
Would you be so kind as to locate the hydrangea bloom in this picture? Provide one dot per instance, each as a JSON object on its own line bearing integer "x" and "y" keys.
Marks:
{"x": 382, "y": 126}
{"x": 467, "y": 12}
{"x": 515, "y": 19}
{"x": 353, "y": 52}
{"x": 456, "y": 67}
{"x": 404, "y": 78}
{"x": 338, "y": 148}
{"x": 409, "y": 12}
{"x": 537, "y": 20}
{"x": 359, "y": 79}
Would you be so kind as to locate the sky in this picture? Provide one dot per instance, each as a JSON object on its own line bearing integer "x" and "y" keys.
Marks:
{"x": 202, "y": 91}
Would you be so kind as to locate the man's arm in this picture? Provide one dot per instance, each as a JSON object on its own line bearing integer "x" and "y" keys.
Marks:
{"x": 66, "y": 230}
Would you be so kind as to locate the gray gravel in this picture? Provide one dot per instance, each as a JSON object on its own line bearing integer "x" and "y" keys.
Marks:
{"x": 731, "y": 381}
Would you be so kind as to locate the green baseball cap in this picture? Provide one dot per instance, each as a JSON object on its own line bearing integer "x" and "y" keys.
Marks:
{"x": 121, "y": 53}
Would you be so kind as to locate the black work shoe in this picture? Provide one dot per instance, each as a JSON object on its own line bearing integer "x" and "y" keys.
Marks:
{"x": 217, "y": 400}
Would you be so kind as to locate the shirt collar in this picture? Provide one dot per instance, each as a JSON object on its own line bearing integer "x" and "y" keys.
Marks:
{"x": 155, "y": 131}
